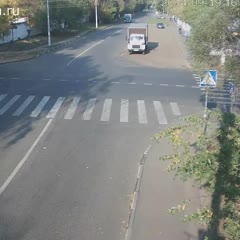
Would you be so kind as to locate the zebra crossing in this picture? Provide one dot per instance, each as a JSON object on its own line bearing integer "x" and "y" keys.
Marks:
{"x": 49, "y": 107}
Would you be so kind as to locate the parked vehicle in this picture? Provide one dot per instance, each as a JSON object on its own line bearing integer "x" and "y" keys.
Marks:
{"x": 127, "y": 18}
{"x": 160, "y": 25}
{"x": 137, "y": 37}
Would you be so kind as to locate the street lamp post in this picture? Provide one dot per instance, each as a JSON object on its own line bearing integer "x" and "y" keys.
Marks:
{"x": 96, "y": 13}
{"x": 48, "y": 21}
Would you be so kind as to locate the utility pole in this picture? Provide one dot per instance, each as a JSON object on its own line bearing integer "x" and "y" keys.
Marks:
{"x": 96, "y": 13}
{"x": 48, "y": 20}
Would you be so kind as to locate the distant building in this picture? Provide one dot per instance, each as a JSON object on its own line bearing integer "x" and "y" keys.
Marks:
{"x": 20, "y": 30}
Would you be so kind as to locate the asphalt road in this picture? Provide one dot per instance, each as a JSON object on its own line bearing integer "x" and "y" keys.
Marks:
{"x": 75, "y": 124}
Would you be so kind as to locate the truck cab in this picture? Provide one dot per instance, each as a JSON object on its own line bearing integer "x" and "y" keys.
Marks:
{"x": 137, "y": 36}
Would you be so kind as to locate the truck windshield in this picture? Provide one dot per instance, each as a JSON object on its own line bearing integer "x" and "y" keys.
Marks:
{"x": 138, "y": 38}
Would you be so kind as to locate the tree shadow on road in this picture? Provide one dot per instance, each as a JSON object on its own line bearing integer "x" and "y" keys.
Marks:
{"x": 14, "y": 129}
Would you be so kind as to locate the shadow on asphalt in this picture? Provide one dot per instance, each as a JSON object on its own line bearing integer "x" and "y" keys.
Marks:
{"x": 201, "y": 234}
{"x": 152, "y": 46}
{"x": 13, "y": 129}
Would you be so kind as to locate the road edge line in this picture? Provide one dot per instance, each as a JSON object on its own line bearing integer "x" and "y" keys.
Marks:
{"x": 133, "y": 206}
{"x": 24, "y": 159}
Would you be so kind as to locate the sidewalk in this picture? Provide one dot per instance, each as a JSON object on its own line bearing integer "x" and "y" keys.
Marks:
{"x": 158, "y": 193}
{"x": 181, "y": 42}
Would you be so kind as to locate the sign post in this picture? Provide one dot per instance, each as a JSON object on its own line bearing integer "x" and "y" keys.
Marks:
{"x": 208, "y": 80}
{"x": 232, "y": 93}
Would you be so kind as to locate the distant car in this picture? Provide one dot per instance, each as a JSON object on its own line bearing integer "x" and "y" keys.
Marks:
{"x": 160, "y": 17}
{"x": 160, "y": 25}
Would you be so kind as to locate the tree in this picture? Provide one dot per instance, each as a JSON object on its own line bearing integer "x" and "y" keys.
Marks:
{"x": 213, "y": 161}
{"x": 215, "y": 26}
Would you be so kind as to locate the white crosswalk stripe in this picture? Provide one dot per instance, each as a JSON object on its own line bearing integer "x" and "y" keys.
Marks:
{"x": 2, "y": 96}
{"x": 106, "y": 110}
{"x": 9, "y": 104}
{"x": 160, "y": 113}
{"x": 89, "y": 109}
{"x": 142, "y": 114}
{"x": 40, "y": 107}
{"x": 24, "y": 105}
{"x": 126, "y": 113}
{"x": 175, "y": 108}
{"x": 72, "y": 109}
{"x": 124, "y": 110}
{"x": 55, "y": 108}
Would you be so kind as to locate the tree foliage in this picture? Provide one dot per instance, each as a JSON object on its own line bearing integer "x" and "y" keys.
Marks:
{"x": 213, "y": 162}
{"x": 69, "y": 11}
{"x": 215, "y": 26}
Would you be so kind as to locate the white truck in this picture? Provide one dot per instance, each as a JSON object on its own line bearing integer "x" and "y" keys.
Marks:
{"x": 127, "y": 18}
{"x": 137, "y": 37}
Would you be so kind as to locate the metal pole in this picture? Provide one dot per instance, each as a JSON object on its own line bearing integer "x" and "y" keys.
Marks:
{"x": 48, "y": 20}
{"x": 96, "y": 13}
{"x": 205, "y": 112}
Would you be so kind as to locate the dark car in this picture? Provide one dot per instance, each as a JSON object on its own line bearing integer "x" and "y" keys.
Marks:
{"x": 160, "y": 25}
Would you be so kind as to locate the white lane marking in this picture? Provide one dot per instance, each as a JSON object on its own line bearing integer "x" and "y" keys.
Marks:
{"x": 46, "y": 79}
{"x": 116, "y": 82}
{"x": 106, "y": 110}
{"x": 124, "y": 110}
{"x": 175, "y": 108}
{"x": 132, "y": 83}
{"x": 40, "y": 107}
{"x": 160, "y": 113}
{"x": 142, "y": 114}
{"x": 55, "y": 108}
{"x": 2, "y": 78}
{"x": 23, "y": 160}
{"x": 149, "y": 84}
{"x": 2, "y": 96}
{"x": 24, "y": 105}
{"x": 162, "y": 84}
{"x": 9, "y": 104}
{"x": 179, "y": 85}
{"x": 63, "y": 80}
{"x": 72, "y": 109}
{"x": 15, "y": 78}
{"x": 89, "y": 109}
{"x": 117, "y": 31}
{"x": 85, "y": 51}
{"x": 195, "y": 86}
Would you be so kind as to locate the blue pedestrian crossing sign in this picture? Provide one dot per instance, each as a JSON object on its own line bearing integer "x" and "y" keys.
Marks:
{"x": 209, "y": 78}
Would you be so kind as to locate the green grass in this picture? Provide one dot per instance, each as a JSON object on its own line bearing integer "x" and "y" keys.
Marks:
{"x": 155, "y": 21}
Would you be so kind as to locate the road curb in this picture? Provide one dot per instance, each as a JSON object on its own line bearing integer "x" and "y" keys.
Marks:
{"x": 133, "y": 206}
{"x": 46, "y": 50}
